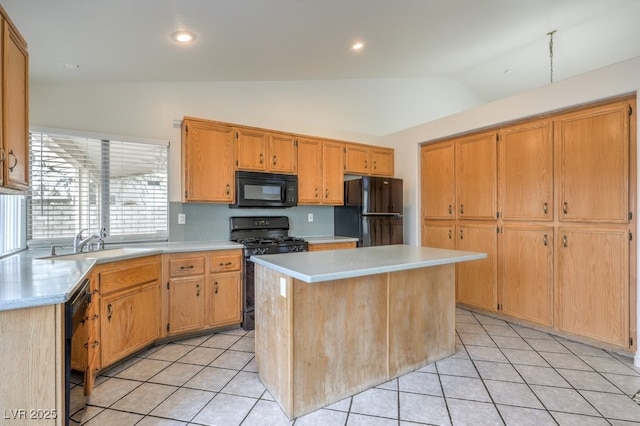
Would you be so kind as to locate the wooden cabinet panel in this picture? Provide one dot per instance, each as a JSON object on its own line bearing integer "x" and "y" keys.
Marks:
{"x": 129, "y": 321}
{"x": 207, "y": 162}
{"x": 527, "y": 273}
{"x": 476, "y": 282}
{"x": 593, "y": 283}
{"x": 14, "y": 145}
{"x": 357, "y": 159}
{"x": 310, "y": 164}
{"x": 382, "y": 161}
{"x": 439, "y": 234}
{"x": 225, "y": 260}
{"x": 437, "y": 181}
{"x": 526, "y": 172}
{"x": 332, "y": 173}
{"x": 224, "y": 299}
{"x": 282, "y": 153}
{"x": 186, "y": 304}
{"x": 593, "y": 164}
{"x": 251, "y": 149}
{"x": 332, "y": 246}
{"x": 476, "y": 176}
{"x": 186, "y": 266}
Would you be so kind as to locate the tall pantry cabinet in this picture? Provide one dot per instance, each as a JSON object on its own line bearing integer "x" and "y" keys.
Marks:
{"x": 561, "y": 252}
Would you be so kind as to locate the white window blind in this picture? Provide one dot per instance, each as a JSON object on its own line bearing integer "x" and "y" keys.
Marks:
{"x": 80, "y": 182}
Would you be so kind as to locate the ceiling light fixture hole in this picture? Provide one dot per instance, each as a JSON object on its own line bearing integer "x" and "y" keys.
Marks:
{"x": 183, "y": 36}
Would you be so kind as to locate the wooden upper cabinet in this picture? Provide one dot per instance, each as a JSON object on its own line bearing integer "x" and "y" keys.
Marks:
{"x": 526, "y": 172}
{"x": 437, "y": 181}
{"x": 207, "y": 161}
{"x": 476, "y": 176}
{"x": 251, "y": 149}
{"x": 309, "y": 171}
{"x": 332, "y": 173}
{"x": 382, "y": 161}
{"x": 320, "y": 171}
{"x": 593, "y": 164}
{"x": 357, "y": 159}
{"x": 368, "y": 160}
{"x": 14, "y": 145}
{"x": 282, "y": 153}
{"x": 264, "y": 151}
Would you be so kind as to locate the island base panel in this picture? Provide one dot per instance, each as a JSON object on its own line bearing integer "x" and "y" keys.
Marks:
{"x": 319, "y": 343}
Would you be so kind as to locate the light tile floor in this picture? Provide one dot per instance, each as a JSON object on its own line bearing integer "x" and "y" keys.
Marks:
{"x": 501, "y": 373}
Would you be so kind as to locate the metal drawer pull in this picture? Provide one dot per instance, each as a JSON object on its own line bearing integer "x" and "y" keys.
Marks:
{"x": 228, "y": 189}
{"x": 275, "y": 160}
{"x": 109, "y": 311}
{"x": 261, "y": 158}
{"x": 225, "y": 264}
{"x": 545, "y": 240}
{"x": 450, "y": 208}
{"x": 564, "y": 241}
{"x": 461, "y": 208}
{"x": 461, "y": 237}
{"x": 565, "y": 207}
{"x": 215, "y": 287}
{"x": 449, "y": 233}
{"x": 545, "y": 208}
{"x": 198, "y": 290}
{"x": 93, "y": 345}
{"x": 187, "y": 267}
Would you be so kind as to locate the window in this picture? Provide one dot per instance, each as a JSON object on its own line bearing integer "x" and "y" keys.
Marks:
{"x": 87, "y": 182}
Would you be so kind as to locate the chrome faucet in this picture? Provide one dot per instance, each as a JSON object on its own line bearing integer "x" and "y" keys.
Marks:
{"x": 79, "y": 242}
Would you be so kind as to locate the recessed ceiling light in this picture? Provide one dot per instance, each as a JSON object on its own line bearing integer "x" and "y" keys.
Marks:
{"x": 183, "y": 36}
{"x": 357, "y": 45}
{"x": 508, "y": 71}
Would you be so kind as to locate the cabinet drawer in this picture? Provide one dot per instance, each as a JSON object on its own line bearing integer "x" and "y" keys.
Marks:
{"x": 225, "y": 261}
{"x": 186, "y": 266}
{"x": 121, "y": 275}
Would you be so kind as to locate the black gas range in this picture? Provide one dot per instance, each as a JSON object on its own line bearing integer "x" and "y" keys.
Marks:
{"x": 260, "y": 235}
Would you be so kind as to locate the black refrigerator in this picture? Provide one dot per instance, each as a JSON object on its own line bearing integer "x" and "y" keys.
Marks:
{"x": 372, "y": 211}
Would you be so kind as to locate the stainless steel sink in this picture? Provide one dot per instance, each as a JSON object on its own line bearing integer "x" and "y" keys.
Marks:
{"x": 106, "y": 255}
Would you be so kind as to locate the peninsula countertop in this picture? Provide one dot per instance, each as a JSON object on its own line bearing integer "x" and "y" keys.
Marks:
{"x": 314, "y": 267}
{"x": 32, "y": 278}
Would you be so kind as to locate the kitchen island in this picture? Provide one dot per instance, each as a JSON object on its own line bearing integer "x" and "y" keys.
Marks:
{"x": 331, "y": 324}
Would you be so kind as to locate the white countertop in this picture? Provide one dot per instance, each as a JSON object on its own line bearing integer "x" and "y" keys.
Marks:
{"x": 31, "y": 278}
{"x": 319, "y": 266}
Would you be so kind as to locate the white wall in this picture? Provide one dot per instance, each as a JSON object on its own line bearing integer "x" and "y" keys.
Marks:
{"x": 354, "y": 110}
{"x": 618, "y": 79}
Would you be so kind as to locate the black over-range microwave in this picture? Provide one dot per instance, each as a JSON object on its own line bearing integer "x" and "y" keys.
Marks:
{"x": 256, "y": 189}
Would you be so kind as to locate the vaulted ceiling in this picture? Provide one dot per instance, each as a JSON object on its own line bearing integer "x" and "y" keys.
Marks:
{"x": 471, "y": 41}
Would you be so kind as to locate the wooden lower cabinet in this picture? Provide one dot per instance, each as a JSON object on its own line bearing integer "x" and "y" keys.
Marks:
{"x": 526, "y": 273}
{"x": 332, "y": 246}
{"x": 593, "y": 283}
{"x": 476, "y": 282}
{"x": 439, "y": 234}
{"x": 129, "y": 321}
{"x": 203, "y": 290}
{"x": 223, "y": 299}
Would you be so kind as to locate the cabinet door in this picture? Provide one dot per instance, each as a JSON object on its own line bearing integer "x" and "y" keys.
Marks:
{"x": 333, "y": 173}
{"x": 594, "y": 165}
{"x": 438, "y": 234}
{"x": 309, "y": 171}
{"x": 526, "y": 260}
{"x": 437, "y": 181}
{"x": 129, "y": 321}
{"x": 224, "y": 299}
{"x": 476, "y": 175}
{"x": 357, "y": 159}
{"x": 382, "y": 162}
{"x": 15, "y": 110}
{"x": 251, "y": 150}
{"x": 476, "y": 282}
{"x": 593, "y": 283}
{"x": 207, "y": 157}
{"x": 186, "y": 304}
{"x": 282, "y": 153}
{"x": 526, "y": 172}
